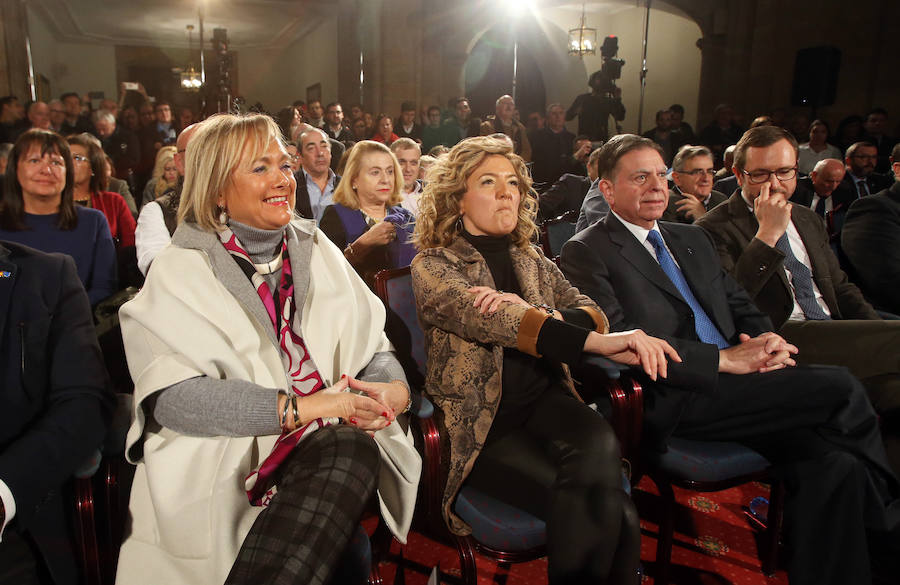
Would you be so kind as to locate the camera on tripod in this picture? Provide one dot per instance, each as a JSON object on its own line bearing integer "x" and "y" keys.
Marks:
{"x": 604, "y": 80}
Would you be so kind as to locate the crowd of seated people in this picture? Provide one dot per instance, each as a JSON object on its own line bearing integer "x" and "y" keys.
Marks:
{"x": 801, "y": 262}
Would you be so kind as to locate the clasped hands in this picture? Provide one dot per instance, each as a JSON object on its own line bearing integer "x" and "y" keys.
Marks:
{"x": 371, "y": 411}
{"x": 763, "y": 353}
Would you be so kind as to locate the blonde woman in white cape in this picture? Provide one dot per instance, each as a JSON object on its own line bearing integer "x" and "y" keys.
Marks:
{"x": 261, "y": 374}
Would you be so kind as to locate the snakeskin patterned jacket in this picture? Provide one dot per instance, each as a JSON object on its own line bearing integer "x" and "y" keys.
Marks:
{"x": 465, "y": 348}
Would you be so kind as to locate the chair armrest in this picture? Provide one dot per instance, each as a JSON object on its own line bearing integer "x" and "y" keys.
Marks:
{"x": 590, "y": 366}
{"x": 421, "y": 406}
{"x": 619, "y": 397}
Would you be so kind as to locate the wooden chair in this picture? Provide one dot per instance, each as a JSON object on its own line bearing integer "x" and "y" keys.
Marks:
{"x": 500, "y": 531}
{"x": 556, "y": 232}
{"x": 710, "y": 467}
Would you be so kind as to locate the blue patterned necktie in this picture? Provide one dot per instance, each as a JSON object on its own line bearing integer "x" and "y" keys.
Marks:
{"x": 801, "y": 279}
{"x": 706, "y": 329}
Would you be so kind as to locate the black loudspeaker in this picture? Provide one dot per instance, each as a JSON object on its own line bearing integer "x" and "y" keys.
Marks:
{"x": 815, "y": 76}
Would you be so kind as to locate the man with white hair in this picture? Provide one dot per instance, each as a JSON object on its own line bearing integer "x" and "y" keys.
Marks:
{"x": 693, "y": 194}
{"x": 120, "y": 144}
{"x": 552, "y": 147}
{"x": 505, "y": 122}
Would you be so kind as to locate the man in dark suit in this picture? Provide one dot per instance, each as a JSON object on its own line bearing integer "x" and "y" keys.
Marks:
{"x": 824, "y": 192}
{"x": 876, "y": 126}
{"x": 871, "y": 242}
{"x": 734, "y": 382}
{"x": 406, "y": 126}
{"x": 567, "y": 194}
{"x": 861, "y": 178}
{"x": 119, "y": 143}
{"x": 316, "y": 181}
{"x": 334, "y": 127}
{"x": 693, "y": 194}
{"x": 54, "y": 409}
{"x": 551, "y": 147}
{"x": 780, "y": 254}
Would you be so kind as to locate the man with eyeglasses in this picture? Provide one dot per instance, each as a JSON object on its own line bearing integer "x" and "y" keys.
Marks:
{"x": 861, "y": 178}
{"x": 693, "y": 194}
{"x": 735, "y": 381}
{"x": 780, "y": 254}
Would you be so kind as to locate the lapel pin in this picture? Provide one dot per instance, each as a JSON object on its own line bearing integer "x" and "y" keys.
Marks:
{"x": 5, "y": 274}
{"x": 690, "y": 250}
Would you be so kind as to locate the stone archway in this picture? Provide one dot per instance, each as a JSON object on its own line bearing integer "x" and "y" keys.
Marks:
{"x": 488, "y": 71}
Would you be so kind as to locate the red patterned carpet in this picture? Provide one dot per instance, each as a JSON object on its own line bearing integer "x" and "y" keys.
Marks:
{"x": 714, "y": 545}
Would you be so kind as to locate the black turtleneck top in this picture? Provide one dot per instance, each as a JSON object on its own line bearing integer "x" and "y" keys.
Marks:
{"x": 526, "y": 377}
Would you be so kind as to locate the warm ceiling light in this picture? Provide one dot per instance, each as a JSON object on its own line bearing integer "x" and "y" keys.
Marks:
{"x": 582, "y": 40}
{"x": 190, "y": 78}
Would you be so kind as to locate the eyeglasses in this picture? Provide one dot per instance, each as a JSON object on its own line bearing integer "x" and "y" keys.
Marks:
{"x": 760, "y": 176}
{"x": 294, "y": 157}
{"x": 697, "y": 173}
{"x": 79, "y": 158}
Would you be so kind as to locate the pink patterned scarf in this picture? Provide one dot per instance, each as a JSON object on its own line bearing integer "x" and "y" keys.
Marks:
{"x": 298, "y": 366}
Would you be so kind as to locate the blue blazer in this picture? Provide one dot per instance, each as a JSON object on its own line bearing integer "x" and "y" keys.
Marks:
{"x": 55, "y": 401}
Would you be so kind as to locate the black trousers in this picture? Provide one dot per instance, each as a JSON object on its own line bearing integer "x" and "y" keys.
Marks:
{"x": 818, "y": 426}
{"x": 20, "y": 561}
{"x": 562, "y": 464}
{"x": 323, "y": 488}
{"x": 871, "y": 351}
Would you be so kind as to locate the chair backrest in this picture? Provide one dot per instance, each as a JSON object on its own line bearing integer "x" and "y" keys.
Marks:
{"x": 556, "y": 232}
{"x": 403, "y": 329}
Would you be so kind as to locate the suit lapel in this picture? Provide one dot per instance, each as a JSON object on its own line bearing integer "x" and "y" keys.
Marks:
{"x": 638, "y": 256}
{"x": 7, "y": 284}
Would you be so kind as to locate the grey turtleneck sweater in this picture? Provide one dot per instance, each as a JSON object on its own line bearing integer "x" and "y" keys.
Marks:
{"x": 207, "y": 407}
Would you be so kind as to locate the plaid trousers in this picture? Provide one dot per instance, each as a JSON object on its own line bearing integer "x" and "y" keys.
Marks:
{"x": 323, "y": 488}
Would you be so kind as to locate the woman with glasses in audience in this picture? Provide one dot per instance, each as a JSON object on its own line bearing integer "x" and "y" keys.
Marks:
{"x": 89, "y": 163}
{"x": 366, "y": 220}
{"x": 254, "y": 461}
{"x": 38, "y": 211}
{"x": 500, "y": 321}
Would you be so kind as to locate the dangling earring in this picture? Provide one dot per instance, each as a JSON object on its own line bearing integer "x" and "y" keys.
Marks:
{"x": 459, "y": 224}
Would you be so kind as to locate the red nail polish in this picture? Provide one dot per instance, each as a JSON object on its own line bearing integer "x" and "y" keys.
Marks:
{"x": 352, "y": 421}
{"x": 384, "y": 414}
{"x": 343, "y": 376}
